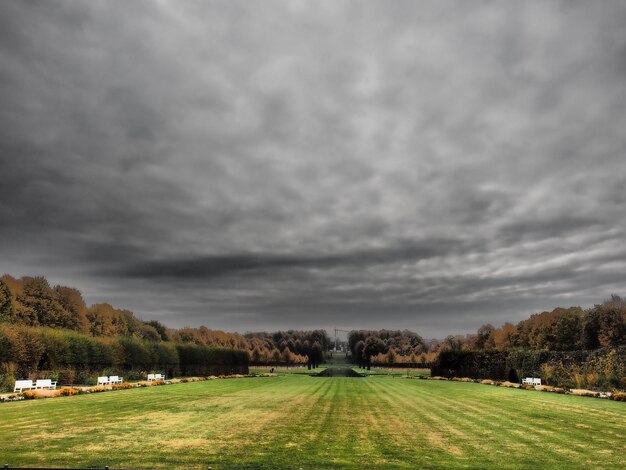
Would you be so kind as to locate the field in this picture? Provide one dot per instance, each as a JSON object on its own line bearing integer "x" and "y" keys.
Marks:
{"x": 296, "y": 421}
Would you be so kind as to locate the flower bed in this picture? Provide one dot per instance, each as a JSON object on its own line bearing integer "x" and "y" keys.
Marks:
{"x": 617, "y": 396}
{"x": 71, "y": 391}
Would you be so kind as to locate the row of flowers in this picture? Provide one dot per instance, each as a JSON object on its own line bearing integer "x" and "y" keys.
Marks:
{"x": 70, "y": 391}
{"x": 615, "y": 395}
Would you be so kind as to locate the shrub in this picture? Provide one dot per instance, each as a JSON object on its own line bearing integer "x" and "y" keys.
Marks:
{"x": 91, "y": 380}
{"x": 67, "y": 376}
{"x": 7, "y": 375}
{"x": 134, "y": 374}
{"x": 14, "y": 397}
{"x": 122, "y": 386}
{"x": 619, "y": 396}
{"x": 29, "y": 394}
{"x": 97, "y": 389}
{"x": 66, "y": 392}
{"x": 584, "y": 393}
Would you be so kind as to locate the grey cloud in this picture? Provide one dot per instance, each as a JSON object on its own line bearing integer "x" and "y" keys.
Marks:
{"x": 433, "y": 164}
{"x": 207, "y": 267}
{"x": 558, "y": 227}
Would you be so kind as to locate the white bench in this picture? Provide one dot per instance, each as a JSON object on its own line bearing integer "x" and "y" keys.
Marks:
{"x": 45, "y": 383}
{"x": 114, "y": 379}
{"x": 154, "y": 377}
{"x": 531, "y": 381}
{"x": 21, "y": 385}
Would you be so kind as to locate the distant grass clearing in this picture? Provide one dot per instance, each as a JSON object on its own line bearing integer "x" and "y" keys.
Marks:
{"x": 294, "y": 421}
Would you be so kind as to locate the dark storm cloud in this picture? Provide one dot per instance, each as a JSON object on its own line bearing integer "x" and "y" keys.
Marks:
{"x": 208, "y": 267}
{"x": 431, "y": 165}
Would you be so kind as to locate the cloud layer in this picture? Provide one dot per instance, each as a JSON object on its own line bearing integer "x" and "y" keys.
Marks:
{"x": 431, "y": 165}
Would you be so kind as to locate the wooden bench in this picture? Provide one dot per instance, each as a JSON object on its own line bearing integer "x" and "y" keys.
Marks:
{"x": 114, "y": 379}
{"x": 21, "y": 385}
{"x": 103, "y": 380}
{"x": 45, "y": 383}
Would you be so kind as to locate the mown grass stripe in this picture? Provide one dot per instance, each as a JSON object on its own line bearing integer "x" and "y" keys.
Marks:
{"x": 295, "y": 421}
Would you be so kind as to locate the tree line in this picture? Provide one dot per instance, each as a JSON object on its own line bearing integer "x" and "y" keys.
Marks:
{"x": 562, "y": 329}
{"x": 306, "y": 346}
{"x": 387, "y": 347}
{"x": 33, "y": 302}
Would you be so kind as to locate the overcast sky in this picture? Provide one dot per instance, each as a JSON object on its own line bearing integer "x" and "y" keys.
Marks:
{"x": 261, "y": 165}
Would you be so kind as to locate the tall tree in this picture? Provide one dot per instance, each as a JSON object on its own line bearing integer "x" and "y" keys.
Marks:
{"x": 568, "y": 332}
{"x": 484, "y": 338}
{"x": 160, "y": 328}
{"x": 357, "y": 352}
{"x": 505, "y": 337}
{"x": 6, "y": 302}
{"x": 39, "y": 298}
{"x": 373, "y": 346}
{"x": 612, "y": 328}
{"x": 72, "y": 302}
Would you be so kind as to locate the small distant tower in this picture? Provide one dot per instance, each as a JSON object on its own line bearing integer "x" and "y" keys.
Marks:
{"x": 337, "y": 330}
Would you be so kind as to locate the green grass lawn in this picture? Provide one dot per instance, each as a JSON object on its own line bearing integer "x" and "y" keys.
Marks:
{"x": 296, "y": 421}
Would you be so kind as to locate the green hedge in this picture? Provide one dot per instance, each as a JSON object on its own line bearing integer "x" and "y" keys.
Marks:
{"x": 71, "y": 357}
{"x": 599, "y": 369}
{"x": 199, "y": 360}
{"x": 474, "y": 364}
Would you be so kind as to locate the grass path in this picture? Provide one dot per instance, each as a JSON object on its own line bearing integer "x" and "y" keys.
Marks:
{"x": 296, "y": 421}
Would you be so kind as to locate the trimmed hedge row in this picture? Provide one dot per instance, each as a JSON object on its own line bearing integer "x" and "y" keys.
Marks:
{"x": 71, "y": 357}
{"x": 200, "y": 360}
{"x": 600, "y": 369}
{"x": 472, "y": 364}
